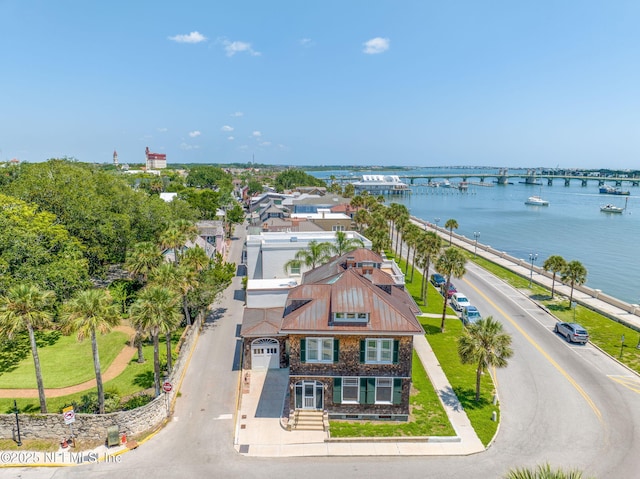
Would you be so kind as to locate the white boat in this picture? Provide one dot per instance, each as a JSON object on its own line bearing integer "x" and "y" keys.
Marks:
{"x": 536, "y": 201}
{"x": 611, "y": 209}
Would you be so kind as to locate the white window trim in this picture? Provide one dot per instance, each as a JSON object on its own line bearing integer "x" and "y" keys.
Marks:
{"x": 390, "y": 387}
{"x": 357, "y": 386}
{"x": 320, "y": 350}
{"x": 379, "y": 343}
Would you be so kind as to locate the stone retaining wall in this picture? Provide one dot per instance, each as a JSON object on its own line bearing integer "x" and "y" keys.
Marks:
{"x": 94, "y": 426}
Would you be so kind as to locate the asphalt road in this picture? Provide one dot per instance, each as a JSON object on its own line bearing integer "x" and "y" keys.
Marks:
{"x": 568, "y": 405}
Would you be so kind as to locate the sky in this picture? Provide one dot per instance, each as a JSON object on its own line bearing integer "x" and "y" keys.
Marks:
{"x": 422, "y": 83}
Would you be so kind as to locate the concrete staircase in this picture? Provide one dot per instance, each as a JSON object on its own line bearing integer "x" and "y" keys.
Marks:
{"x": 308, "y": 420}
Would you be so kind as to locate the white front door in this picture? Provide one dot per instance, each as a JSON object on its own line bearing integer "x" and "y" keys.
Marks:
{"x": 265, "y": 354}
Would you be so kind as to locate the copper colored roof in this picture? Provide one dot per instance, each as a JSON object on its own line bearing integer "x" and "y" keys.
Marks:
{"x": 261, "y": 322}
{"x": 310, "y": 307}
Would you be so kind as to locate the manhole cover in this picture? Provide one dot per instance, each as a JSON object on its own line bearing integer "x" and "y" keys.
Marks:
{"x": 244, "y": 448}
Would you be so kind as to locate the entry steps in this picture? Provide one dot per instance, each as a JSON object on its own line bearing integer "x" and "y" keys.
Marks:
{"x": 309, "y": 420}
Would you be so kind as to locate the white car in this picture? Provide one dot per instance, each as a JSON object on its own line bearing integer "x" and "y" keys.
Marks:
{"x": 459, "y": 301}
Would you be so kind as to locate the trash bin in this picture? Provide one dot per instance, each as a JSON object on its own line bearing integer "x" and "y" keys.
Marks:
{"x": 113, "y": 436}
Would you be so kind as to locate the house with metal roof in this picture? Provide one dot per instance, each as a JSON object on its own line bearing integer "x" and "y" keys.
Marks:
{"x": 346, "y": 335}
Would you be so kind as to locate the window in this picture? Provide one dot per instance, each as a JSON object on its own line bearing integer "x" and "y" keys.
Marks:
{"x": 384, "y": 390}
{"x": 319, "y": 350}
{"x": 379, "y": 351}
{"x": 337, "y": 228}
{"x": 294, "y": 268}
{"x": 351, "y": 317}
{"x": 350, "y": 389}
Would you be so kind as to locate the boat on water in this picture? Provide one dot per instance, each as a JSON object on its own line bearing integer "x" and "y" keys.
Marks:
{"x": 610, "y": 208}
{"x": 613, "y": 190}
{"x": 536, "y": 201}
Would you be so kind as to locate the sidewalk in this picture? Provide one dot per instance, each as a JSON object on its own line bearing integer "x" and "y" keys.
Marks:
{"x": 260, "y": 433}
{"x": 623, "y": 314}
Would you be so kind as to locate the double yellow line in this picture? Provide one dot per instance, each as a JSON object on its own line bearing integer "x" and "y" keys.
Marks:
{"x": 572, "y": 381}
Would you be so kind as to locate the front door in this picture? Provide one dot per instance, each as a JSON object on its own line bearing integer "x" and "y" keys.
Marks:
{"x": 309, "y": 395}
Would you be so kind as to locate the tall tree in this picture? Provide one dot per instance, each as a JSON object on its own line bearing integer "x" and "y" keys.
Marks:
{"x": 143, "y": 258}
{"x": 344, "y": 244}
{"x": 429, "y": 247}
{"x": 451, "y": 225}
{"x": 450, "y": 263}
{"x": 234, "y": 216}
{"x": 156, "y": 310}
{"x": 554, "y": 264}
{"x": 484, "y": 343}
{"x": 25, "y": 306}
{"x": 88, "y": 313}
{"x": 312, "y": 256}
{"x": 574, "y": 273}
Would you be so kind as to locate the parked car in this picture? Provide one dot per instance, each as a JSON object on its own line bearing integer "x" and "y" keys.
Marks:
{"x": 459, "y": 301}
{"x": 470, "y": 314}
{"x": 452, "y": 290}
{"x": 572, "y": 332}
{"x": 437, "y": 280}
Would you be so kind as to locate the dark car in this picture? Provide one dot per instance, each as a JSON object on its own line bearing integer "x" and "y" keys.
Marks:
{"x": 572, "y": 332}
{"x": 451, "y": 292}
{"x": 437, "y": 280}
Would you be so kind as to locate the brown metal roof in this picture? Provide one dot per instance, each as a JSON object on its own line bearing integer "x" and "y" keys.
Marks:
{"x": 310, "y": 307}
{"x": 261, "y": 322}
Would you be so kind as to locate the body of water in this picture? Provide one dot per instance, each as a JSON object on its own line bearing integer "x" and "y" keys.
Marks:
{"x": 572, "y": 226}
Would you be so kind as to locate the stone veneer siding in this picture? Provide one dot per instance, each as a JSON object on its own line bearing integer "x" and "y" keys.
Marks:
{"x": 94, "y": 426}
{"x": 349, "y": 365}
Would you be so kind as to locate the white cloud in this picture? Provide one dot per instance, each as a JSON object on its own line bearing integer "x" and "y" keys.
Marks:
{"x": 256, "y": 134}
{"x": 195, "y": 133}
{"x": 193, "y": 37}
{"x": 265, "y": 143}
{"x": 186, "y": 146}
{"x": 376, "y": 45}
{"x": 238, "y": 47}
{"x": 306, "y": 42}
{"x": 230, "y": 138}
{"x": 227, "y": 128}
{"x": 243, "y": 147}
{"x": 163, "y": 130}
{"x": 237, "y": 114}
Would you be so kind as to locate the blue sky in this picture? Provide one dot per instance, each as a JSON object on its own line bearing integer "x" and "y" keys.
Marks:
{"x": 424, "y": 83}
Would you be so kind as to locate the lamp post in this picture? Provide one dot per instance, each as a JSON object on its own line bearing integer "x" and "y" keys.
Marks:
{"x": 532, "y": 258}
{"x": 15, "y": 408}
{"x": 476, "y": 235}
{"x": 436, "y": 221}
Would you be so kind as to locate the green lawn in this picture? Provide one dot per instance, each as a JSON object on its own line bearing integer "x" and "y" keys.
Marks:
{"x": 604, "y": 332}
{"x": 64, "y": 360}
{"x": 462, "y": 377}
{"x": 427, "y": 418}
{"x": 135, "y": 378}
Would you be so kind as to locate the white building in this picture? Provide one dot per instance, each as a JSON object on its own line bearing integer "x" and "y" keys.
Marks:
{"x": 268, "y": 252}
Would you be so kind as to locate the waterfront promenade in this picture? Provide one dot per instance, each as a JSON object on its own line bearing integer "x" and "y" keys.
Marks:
{"x": 624, "y": 313}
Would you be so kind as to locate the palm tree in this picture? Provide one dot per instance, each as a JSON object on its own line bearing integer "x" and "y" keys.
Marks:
{"x": 555, "y": 264}
{"x": 574, "y": 273}
{"x": 89, "y": 312}
{"x": 451, "y": 225}
{"x": 430, "y": 245}
{"x": 450, "y": 263}
{"x": 543, "y": 472}
{"x": 410, "y": 237}
{"x": 344, "y": 245}
{"x": 173, "y": 239}
{"x": 484, "y": 343}
{"x": 156, "y": 310}
{"x": 396, "y": 213}
{"x": 401, "y": 225}
{"x": 196, "y": 259}
{"x": 378, "y": 232}
{"x": 142, "y": 259}
{"x": 26, "y": 306}
{"x": 312, "y": 256}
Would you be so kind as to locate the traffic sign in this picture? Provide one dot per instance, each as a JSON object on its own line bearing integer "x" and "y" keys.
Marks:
{"x": 69, "y": 415}
{"x": 167, "y": 387}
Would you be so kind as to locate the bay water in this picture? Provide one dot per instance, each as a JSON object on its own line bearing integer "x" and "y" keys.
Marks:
{"x": 572, "y": 226}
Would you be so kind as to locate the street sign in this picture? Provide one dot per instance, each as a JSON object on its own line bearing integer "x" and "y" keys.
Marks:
{"x": 167, "y": 387}
{"x": 69, "y": 415}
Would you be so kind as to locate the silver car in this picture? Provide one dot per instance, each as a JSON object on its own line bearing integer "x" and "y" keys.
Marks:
{"x": 572, "y": 332}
